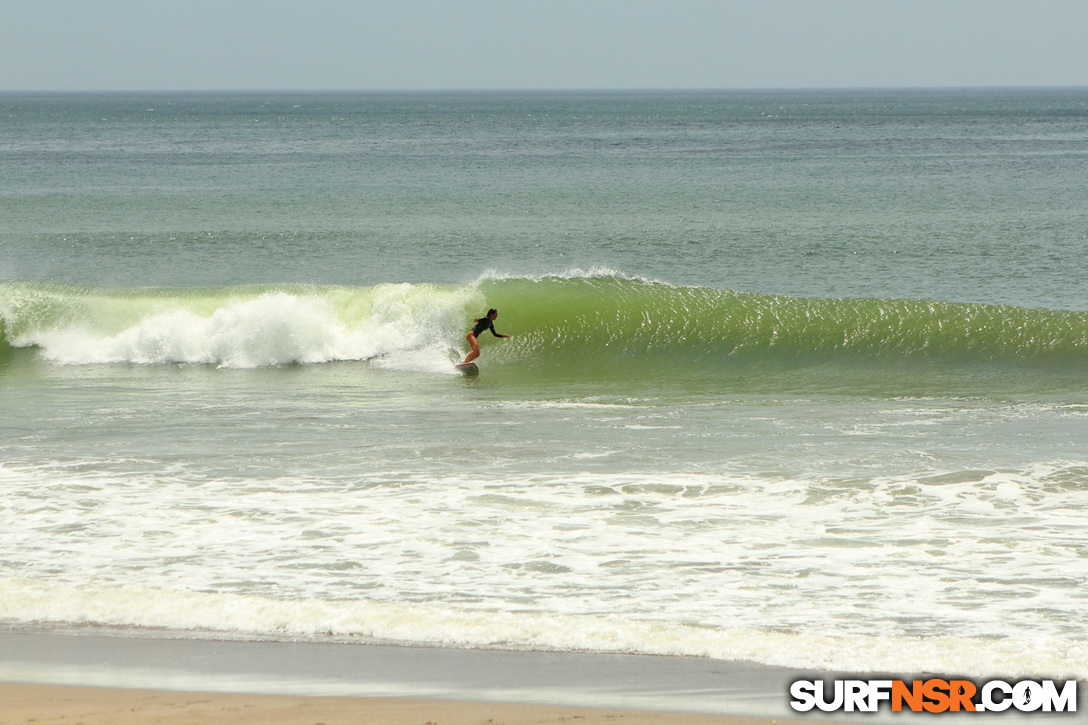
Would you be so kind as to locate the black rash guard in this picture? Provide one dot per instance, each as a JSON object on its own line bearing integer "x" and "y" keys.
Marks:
{"x": 484, "y": 324}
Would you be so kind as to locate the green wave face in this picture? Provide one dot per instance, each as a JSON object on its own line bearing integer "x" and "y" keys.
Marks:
{"x": 584, "y": 328}
{"x": 612, "y": 316}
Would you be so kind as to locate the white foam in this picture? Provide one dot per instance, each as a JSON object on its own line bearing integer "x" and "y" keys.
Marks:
{"x": 131, "y": 605}
{"x": 598, "y": 272}
{"x": 406, "y": 326}
{"x": 891, "y": 573}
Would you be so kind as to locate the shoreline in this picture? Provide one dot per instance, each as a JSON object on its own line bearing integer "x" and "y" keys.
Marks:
{"x": 94, "y": 669}
{"x": 124, "y": 678}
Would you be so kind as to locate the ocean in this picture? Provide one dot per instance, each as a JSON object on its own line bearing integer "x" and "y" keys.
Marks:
{"x": 796, "y": 378}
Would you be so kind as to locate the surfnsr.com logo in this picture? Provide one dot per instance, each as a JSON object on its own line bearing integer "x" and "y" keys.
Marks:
{"x": 935, "y": 695}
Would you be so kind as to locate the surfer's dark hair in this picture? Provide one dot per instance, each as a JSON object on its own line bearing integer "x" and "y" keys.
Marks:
{"x": 492, "y": 311}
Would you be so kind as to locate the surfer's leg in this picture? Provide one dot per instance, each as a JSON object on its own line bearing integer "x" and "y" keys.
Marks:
{"x": 475, "y": 345}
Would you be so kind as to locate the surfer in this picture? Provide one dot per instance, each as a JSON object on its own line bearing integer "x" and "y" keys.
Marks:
{"x": 482, "y": 323}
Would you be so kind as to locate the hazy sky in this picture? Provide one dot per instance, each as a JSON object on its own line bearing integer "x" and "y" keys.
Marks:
{"x": 539, "y": 44}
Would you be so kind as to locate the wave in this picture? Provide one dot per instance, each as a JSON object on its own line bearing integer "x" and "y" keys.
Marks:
{"x": 597, "y": 322}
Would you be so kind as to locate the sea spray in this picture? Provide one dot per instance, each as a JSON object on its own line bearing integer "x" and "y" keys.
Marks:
{"x": 243, "y": 327}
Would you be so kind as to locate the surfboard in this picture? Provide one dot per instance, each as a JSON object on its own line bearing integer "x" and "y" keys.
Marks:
{"x": 468, "y": 368}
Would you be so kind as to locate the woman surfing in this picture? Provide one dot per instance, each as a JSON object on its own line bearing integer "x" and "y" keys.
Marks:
{"x": 482, "y": 323}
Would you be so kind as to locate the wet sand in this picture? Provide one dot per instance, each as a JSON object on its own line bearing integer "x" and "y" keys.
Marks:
{"x": 91, "y": 677}
{"x": 63, "y": 704}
